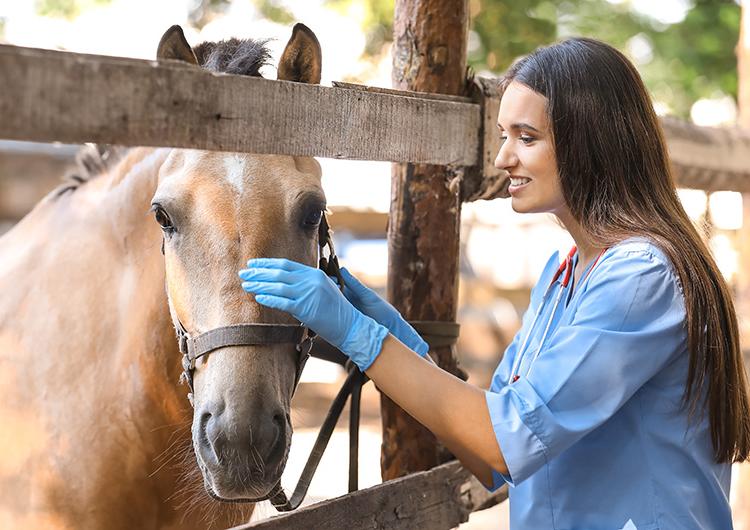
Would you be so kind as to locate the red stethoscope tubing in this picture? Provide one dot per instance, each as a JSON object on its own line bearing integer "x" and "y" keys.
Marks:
{"x": 566, "y": 268}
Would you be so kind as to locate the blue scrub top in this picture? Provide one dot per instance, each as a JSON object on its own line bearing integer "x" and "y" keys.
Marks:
{"x": 595, "y": 436}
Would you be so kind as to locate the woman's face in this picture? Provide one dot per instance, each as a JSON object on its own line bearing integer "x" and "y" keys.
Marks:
{"x": 527, "y": 152}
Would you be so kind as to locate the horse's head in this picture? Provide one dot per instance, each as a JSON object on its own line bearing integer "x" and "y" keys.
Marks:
{"x": 217, "y": 210}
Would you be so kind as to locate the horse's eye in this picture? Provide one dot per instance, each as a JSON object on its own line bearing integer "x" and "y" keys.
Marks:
{"x": 162, "y": 218}
{"x": 313, "y": 218}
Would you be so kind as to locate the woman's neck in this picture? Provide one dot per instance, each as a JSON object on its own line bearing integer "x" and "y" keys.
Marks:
{"x": 588, "y": 250}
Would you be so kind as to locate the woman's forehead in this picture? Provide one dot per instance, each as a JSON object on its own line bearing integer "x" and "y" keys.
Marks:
{"x": 522, "y": 106}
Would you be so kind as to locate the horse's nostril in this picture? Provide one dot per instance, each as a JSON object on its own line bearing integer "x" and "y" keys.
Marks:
{"x": 203, "y": 437}
{"x": 211, "y": 436}
{"x": 279, "y": 419}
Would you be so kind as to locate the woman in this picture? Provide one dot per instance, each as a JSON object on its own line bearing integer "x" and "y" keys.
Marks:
{"x": 622, "y": 401}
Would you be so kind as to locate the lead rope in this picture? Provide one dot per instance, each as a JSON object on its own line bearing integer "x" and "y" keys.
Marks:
{"x": 352, "y": 387}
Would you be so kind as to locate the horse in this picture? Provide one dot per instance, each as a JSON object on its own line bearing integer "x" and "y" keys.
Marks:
{"x": 93, "y": 420}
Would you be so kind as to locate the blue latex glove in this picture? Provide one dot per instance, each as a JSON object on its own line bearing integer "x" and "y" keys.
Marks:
{"x": 384, "y": 313}
{"x": 314, "y": 299}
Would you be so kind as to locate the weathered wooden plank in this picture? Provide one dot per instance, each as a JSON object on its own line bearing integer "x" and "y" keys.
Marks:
{"x": 59, "y": 96}
{"x": 440, "y": 498}
{"x": 28, "y": 172}
{"x": 485, "y": 181}
{"x": 708, "y": 158}
{"x": 409, "y": 93}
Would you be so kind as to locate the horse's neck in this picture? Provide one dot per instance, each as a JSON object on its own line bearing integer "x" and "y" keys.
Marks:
{"x": 88, "y": 356}
{"x": 83, "y": 295}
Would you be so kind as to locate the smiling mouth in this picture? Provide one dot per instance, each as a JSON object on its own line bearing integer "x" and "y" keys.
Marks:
{"x": 518, "y": 182}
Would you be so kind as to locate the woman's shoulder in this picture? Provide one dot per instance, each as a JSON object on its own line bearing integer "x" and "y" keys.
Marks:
{"x": 638, "y": 256}
{"x": 638, "y": 246}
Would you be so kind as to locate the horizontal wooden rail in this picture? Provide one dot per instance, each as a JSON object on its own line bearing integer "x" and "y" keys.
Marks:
{"x": 708, "y": 158}
{"x": 59, "y": 96}
{"x": 440, "y": 498}
{"x": 50, "y": 96}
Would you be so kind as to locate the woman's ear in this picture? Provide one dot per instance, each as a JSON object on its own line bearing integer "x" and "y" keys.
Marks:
{"x": 302, "y": 58}
{"x": 173, "y": 45}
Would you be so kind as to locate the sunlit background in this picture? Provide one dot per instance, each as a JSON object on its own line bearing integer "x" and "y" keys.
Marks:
{"x": 684, "y": 50}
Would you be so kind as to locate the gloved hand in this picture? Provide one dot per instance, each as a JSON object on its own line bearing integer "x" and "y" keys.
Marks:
{"x": 384, "y": 313}
{"x": 314, "y": 299}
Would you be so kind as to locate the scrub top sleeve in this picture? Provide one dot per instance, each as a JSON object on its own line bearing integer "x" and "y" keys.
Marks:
{"x": 628, "y": 324}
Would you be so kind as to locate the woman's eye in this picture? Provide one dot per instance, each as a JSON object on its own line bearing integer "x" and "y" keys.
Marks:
{"x": 162, "y": 218}
{"x": 313, "y": 218}
{"x": 525, "y": 138}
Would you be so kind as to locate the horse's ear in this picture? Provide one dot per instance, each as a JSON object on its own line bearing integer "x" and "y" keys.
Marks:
{"x": 174, "y": 45}
{"x": 302, "y": 58}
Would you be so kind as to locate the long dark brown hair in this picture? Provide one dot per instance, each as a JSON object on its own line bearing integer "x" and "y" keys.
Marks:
{"x": 617, "y": 182}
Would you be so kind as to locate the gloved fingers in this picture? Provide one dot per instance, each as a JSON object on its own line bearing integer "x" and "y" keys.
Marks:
{"x": 267, "y": 275}
{"x": 350, "y": 295}
{"x": 276, "y": 302}
{"x": 276, "y": 263}
{"x": 351, "y": 281}
{"x": 353, "y": 288}
{"x": 361, "y": 290}
{"x": 272, "y": 288}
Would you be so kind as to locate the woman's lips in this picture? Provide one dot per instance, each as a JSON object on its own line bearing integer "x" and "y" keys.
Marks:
{"x": 517, "y": 183}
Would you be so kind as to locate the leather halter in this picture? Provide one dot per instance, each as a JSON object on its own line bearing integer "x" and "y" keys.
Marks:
{"x": 193, "y": 348}
{"x": 257, "y": 334}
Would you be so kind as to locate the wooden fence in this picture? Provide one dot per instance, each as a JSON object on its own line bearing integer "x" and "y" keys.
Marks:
{"x": 73, "y": 98}
{"x": 51, "y": 96}
{"x": 442, "y": 497}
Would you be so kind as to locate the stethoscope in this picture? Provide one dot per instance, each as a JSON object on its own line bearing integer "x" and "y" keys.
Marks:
{"x": 566, "y": 271}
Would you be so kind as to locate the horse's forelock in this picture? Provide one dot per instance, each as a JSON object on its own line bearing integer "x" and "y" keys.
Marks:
{"x": 234, "y": 56}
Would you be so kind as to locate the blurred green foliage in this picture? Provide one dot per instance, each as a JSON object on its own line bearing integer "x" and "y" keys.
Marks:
{"x": 65, "y": 8}
{"x": 201, "y": 12}
{"x": 378, "y": 21}
{"x": 680, "y": 62}
{"x": 275, "y": 10}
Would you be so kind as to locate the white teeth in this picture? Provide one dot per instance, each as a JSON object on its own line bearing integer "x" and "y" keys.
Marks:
{"x": 516, "y": 181}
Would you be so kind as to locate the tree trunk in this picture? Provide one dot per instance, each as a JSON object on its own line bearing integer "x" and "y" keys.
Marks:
{"x": 741, "y": 481}
{"x": 423, "y": 234}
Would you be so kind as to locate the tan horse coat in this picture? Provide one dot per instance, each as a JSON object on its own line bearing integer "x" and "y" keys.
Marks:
{"x": 93, "y": 424}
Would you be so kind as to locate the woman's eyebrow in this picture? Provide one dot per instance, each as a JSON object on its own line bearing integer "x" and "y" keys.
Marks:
{"x": 520, "y": 126}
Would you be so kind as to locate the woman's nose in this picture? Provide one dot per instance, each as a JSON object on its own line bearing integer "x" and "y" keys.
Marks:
{"x": 505, "y": 159}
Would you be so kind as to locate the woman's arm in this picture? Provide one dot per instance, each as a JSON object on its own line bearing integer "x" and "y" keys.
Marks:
{"x": 455, "y": 411}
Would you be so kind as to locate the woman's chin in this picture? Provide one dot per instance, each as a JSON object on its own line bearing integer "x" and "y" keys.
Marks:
{"x": 521, "y": 206}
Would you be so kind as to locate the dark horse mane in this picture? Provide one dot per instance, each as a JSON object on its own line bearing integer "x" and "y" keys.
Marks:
{"x": 232, "y": 56}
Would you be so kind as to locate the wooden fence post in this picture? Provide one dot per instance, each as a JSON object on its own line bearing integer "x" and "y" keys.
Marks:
{"x": 423, "y": 234}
